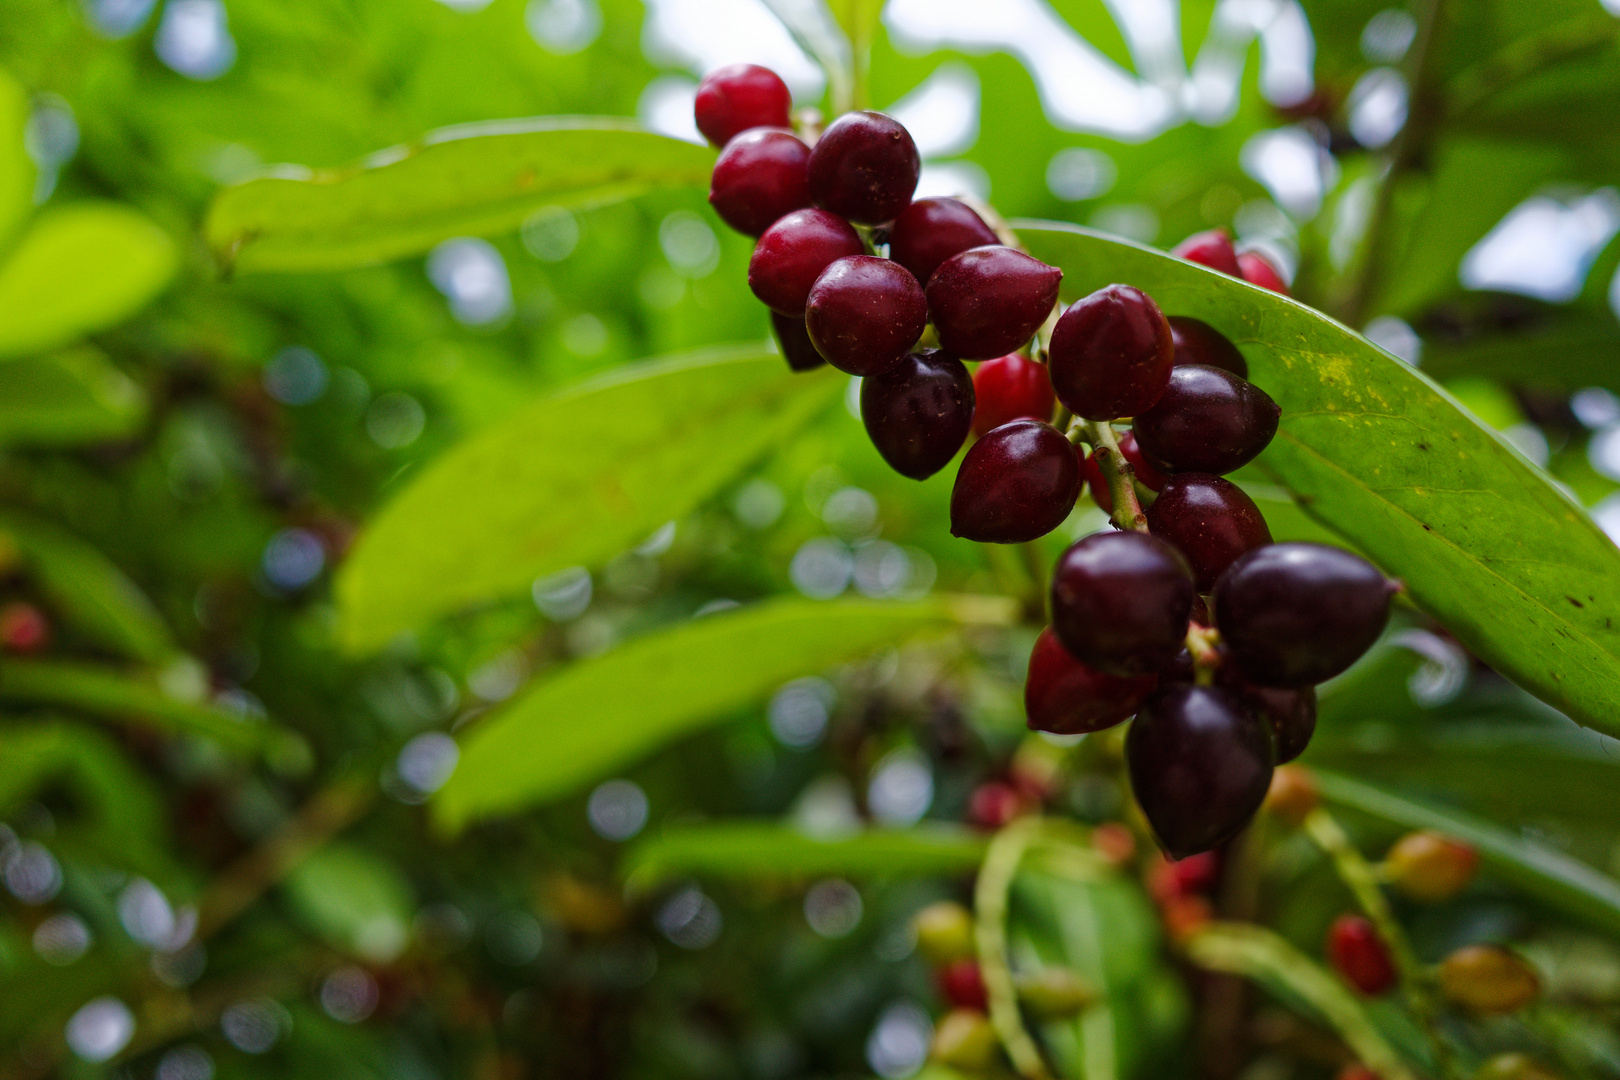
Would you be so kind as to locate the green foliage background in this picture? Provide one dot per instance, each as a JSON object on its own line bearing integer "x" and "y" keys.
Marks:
{"x": 245, "y": 747}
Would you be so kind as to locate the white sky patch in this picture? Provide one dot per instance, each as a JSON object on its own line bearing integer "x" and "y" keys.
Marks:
{"x": 701, "y": 35}
{"x": 942, "y": 113}
{"x": 1544, "y": 246}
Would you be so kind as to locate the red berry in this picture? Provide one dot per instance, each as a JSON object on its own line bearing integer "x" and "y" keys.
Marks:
{"x": 1065, "y": 697}
{"x": 1173, "y": 878}
{"x": 1120, "y": 602}
{"x": 1011, "y": 387}
{"x": 1359, "y": 954}
{"x": 864, "y": 167}
{"x": 864, "y": 313}
{"x": 1256, "y": 269}
{"x": 1197, "y": 342}
{"x": 1291, "y": 713}
{"x": 1111, "y": 354}
{"x": 23, "y": 628}
{"x": 1151, "y": 478}
{"x": 1210, "y": 520}
{"x": 797, "y": 348}
{"x": 929, "y": 231}
{"x": 990, "y": 300}
{"x": 1207, "y": 420}
{"x": 761, "y": 175}
{"x": 1016, "y": 484}
{"x": 994, "y": 804}
{"x": 792, "y": 253}
{"x": 732, "y": 99}
{"x": 1200, "y": 766}
{"x": 1212, "y": 249}
{"x": 1298, "y": 614}
{"x": 918, "y": 412}
{"x": 961, "y": 984}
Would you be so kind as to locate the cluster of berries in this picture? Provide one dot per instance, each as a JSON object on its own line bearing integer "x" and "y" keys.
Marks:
{"x": 1132, "y": 631}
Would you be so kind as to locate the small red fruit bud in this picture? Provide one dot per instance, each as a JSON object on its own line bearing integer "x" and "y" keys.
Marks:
{"x": 1360, "y": 955}
{"x": 961, "y": 984}
{"x": 23, "y": 628}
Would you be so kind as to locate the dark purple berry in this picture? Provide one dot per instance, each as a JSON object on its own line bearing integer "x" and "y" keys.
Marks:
{"x": 919, "y": 412}
{"x": 1291, "y": 713}
{"x": 987, "y": 301}
{"x": 1008, "y": 388}
{"x": 1207, "y": 420}
{"x": 1200, "y": 764}
{"x": 797, "y": 348}
{"x": 1212, "y": 249}
{"x": 864, "y": 313}
{"x": 1016, "y": 484}
{"x": 792, "y": 253}
{"x": 1111, "y": 354}
{"x": 1210, "y": 520}
{"x": 1120, "y": 602}
{"x": 761, "y": 175}
{"x": 732, "y": 99}
{"x": 864, "y": 167}
{"x": 1298, "y": 614}
{"x": 1065, "y": 697}
{"x": 929, "y": 231}
{"x": 1197, "y": 342}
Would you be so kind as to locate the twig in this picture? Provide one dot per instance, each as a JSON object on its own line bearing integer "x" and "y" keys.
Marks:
{"x": 1119, "y": 474}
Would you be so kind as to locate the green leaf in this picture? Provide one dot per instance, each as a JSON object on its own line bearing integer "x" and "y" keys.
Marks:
{"x": 573, "y": 478}
{"x": 1551, "y": 876}
{"x": 601, "y": 715}
{"x": 1387, "y": 459}
{"x": 108, "y": 693}
{"x": 767, "y": 849}
{"x": 1260, "y": 954}
{"x": 16, "y": 167}
{"x": 67, "y": 399}
{"x": 354, "y": 900}
{"x": 92, "y": 594}
{"x": 475, "y": 180}
{"x": 79, "y": 269}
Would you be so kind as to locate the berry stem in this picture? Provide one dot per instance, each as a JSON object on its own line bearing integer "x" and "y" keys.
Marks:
{"x": 990, "y": 896}
{"x": 1202, "y": 642}
{"x": 1356, "y": 872}
{"x": 1119, "y": 474}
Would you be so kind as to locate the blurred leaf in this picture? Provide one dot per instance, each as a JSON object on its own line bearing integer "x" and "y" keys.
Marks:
{"x": 67, "y": 399}
{"x": 355, "y": 900}
{"x": 1569, "y": 352}
{"x": 1554, "y": 878}
{"x": 99, "y": 690}
{"x": 573, "y": 478}
{"x": 472, "y": 180}
{"x": 596, "y": 716}
{"x": 1259, "y": 954}
{"x": 773, "y": 850}
{"x": 78, "y": 269}
{"x": 1381, "y": 454}
{"x": 16, "y": 168}
{"x": 87, "y": 590}
{"x": 824, "y": 31}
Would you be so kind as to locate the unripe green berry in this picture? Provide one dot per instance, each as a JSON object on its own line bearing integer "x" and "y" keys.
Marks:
{"x": 944, "y": 932}
{"x": 1514, "y": 1067}
{"x": 964, "y": 1040}
{"x": 1430, "y": 866}
{"x": 1488, "y": 979}
{"x": 1055, "y": 993}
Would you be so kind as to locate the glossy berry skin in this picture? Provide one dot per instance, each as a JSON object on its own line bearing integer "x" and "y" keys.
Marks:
{"x": 1207, "y": 421}
{"x": 1011, "y": 387}
{"x": 929, "y": 231}
{"x": 1360, "y": 955}
{"x": 918, "y": 412}
{"x": 792, "y": 253}
{"x": 1257, "y": 270}
{"x": 1298, "y": 614}
{"x": 1016, "y": 484}
{"x": 1111, "y": 354}
{"x": 1065, "y": 697}
{"x": 1120, "y": 602}
{"x": 1212, "y": 249}
{"x": 987, "y": 301}
{"x": 1151, "y": 478}
{"x": 864, "y": 167}
{"x": 1291, "y": 713}
{"x": 762, "y": 174}
{"x": 732, "y": 99}
{"x": 797, "y": 348}
{"x": 1200, "y": 765}
{"x": 961, "y": 984}
{"x": 1197, "y": 342}
{"x": 864, "y": 313}
{"x": 1210, "y": 520}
